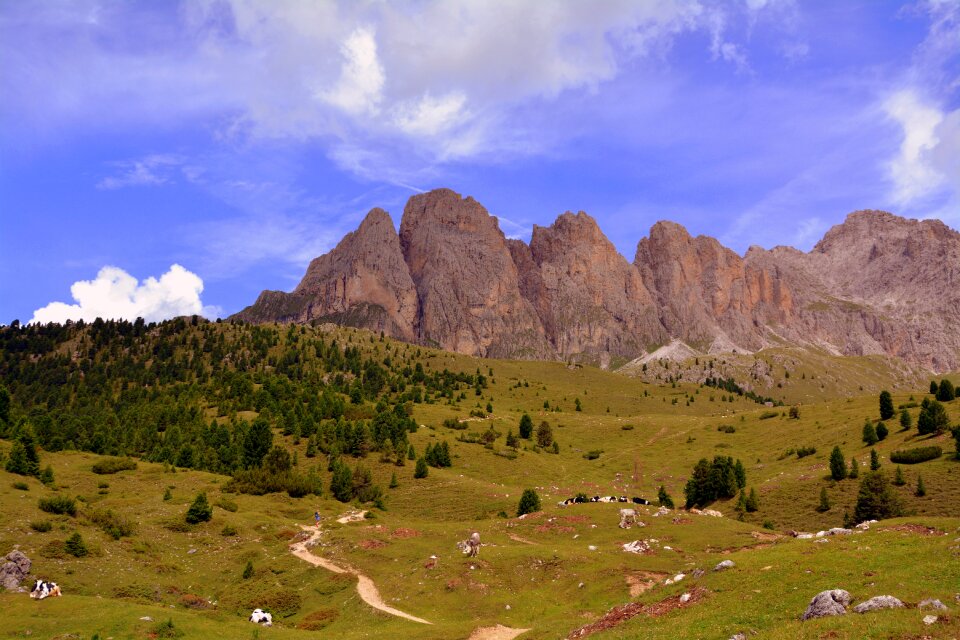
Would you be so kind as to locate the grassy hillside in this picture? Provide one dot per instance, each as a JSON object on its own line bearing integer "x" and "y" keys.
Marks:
{"x": 551, "y": 572}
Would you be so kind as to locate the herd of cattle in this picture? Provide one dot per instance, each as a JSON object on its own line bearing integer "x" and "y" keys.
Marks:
{"x": 582, "y": 499}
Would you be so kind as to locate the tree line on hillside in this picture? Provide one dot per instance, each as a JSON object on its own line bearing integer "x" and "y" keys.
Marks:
{"x": 210, "y": 396}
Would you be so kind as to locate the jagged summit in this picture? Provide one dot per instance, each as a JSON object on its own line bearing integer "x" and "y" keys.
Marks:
{"x": 875, "y": 284}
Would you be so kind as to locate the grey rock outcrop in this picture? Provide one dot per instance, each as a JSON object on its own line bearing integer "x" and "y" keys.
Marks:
{"x": 878, "y": 602}
{"x": 931, "y": 603}
{"x": 14, "y": 570}
{"x": 726, "y": 564}
{"x": 828, "y": 603}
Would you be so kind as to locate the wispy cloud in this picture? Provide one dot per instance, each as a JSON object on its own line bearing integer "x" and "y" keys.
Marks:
{"x": 152, "y": 170}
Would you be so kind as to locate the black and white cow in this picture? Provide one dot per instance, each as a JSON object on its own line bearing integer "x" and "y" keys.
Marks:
{"x": 580, "y": 499}
{"x": 42, "y": 589}
{"x": 261, "y": 617}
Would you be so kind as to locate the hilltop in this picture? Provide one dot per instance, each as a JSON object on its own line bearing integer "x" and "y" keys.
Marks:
{"x": 875, "y": 285}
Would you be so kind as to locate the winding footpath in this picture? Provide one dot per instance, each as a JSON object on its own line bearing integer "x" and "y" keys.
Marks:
{"x": 365, "y": 588}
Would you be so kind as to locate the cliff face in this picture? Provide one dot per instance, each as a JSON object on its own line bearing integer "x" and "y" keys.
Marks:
{"x": 466, "y": 280}
{"x": 875, "y": 284}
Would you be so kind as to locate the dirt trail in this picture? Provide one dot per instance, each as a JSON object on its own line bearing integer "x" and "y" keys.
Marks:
{"x": 365, "y": 587}
{"x": 498, "y": 632}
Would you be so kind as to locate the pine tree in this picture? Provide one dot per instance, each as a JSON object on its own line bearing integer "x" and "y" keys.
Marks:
{"x": 526, "y": 427}
{"x": 876, "y": 499}
{"x": 838, "y": 465}
{"x": 886, "y": 405}
{"x": 753, "y": 502}
{"x": 411, "y": 453}
{"x": 17, "y": 461}
{"x": 529, "y": 502}
{"x": 393, "y": 481}
{"x": 512, "y": 440}
{"x": 663, "y": 498}
{"x": 256, "y": 444}
{"x": 741, "y": 474}
{"x": 312, "y": 447}
{"x": 341, "y": 482}
{"x": 933, "y": 387}
{"x": 248, "y": 570}
{"x": 421, "y": 471}
{"x": 200, "y": 510}
{"x": 933, "y": 418}
{"x": 945, "y": 392}
{"x": 882, "y": 431}
{"x": 869, "y": 434}
{"x": 921, "y": 490}
{"x": 741, "y": 506}
{"x": 167, "y": 495}
{"x": 824, "y": 501}
{"x": 75, "y": 546}
{"x": 46, "y": 476}
{"x": 854, "y": 468}
{"x": 544, "y": 434}
{"x": 874, "y": 460}
{"x": 898, "y": 477}
{"x": 906, "y": 422}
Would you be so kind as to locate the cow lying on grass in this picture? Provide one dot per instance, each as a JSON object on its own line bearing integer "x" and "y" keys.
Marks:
{"x": 43, "y": 589}
{"x": 470, "y": 546}
{"x": 261, "y": 617}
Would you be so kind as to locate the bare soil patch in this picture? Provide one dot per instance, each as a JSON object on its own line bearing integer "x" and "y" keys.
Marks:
{"x": 625, "y": 612}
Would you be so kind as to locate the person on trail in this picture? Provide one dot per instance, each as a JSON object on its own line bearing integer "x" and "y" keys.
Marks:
{"x": 316, "y": 518}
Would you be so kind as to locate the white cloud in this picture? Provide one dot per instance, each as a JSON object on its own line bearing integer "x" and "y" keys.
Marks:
{"x": 429, "y": 116}
{"x": 913, "y": 174}
{"x": 360, "y": 88}
{"x": 115, "y": 294}
{"x": 149, "y": 171}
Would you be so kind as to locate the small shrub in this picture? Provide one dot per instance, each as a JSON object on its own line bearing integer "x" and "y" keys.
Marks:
{"x": 22, "y": 486}
{"x": 916, "y": 455}
{"x": 41, "y": 526}
{"x": 248, "y": 570}
{"x": 166, "y": 630}
{"x": 54, "y": 550}
{"x": 593, "y": 455}
{"x": 113, "y": 524}
{"x": 727, "y": 428}
{"x": 421, "y": 471}
{"x": 227, "y": 504}
{"x": 529, "y": 502}
{"x": 75, "y": 546}
{"x": 767, "y": 524}
{"x": 200, "y": 510}
{"x": 627, "y": 427}
{"x": 803, "y": 452}
{"x": 60, "y": 505}
{"x": 228, "y": 531}
{"x": 114, "y": 465}
{"x": 766, "y": 415}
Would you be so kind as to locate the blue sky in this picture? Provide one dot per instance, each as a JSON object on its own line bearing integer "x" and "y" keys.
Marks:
{"x": 159, "y": 158}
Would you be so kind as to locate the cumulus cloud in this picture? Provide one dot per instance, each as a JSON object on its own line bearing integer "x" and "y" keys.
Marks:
{"x": 115, "y": 294}
{"x": 912, "y": 173}
{"x": 412, "y": 83}
{"x": 360, "y": 88}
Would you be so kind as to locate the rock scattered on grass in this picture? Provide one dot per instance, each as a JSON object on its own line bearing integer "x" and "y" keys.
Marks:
{"x": 726, "y": 564}
{"x": 931, "y": 603}
{"x": 929, "y": 619}
{"x": 828, "y": 603}
{"x": 637, "y": 546}
{"x": 14, "y": 570}
{"x": 878, "y": 602}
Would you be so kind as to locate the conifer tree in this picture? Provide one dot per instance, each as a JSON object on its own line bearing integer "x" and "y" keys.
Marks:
{"x": 838, "y": 465}
{"x": 886, "y": 405}
{"x": 421, "y": 471}
{"x": 921, "y": 489}
{"x": 854, "y": 468}
{"x": 529, "y": 502}
{"x": 882, "y": 431}
{"x": 824, "y": 501}
{"x": 945, "y": 392}
{"x": 906, "y": 422}
{"x": 753, "y": 502}
{"x": 876, "y": 499}
{"x": 341, "y": 482}
{"x": 898, "y": 477}
{"x": 663, "y": 498}
{"x": 526, "y": 427}
{"x": 869, "y": 434}
{"x": 200, "y": 510}
{"x": 874, "y": 460}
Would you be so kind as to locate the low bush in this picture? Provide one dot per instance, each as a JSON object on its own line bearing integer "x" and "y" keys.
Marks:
{"x": 593, "y": 455}
{"x": 75, "y": 546}
{"x": 803, "y": 452}
{"x": 22, "y": 486}
{"x": 627, "y": 427}
{"x": 60, "y": 505}
{"x": 913, "y": 456}
{"x": 727, "y": 428}
{"x": 453, "y": 423}
{"x": 227, "y": 504}
{"x": 166, "y": 630}
{"x": 114, "y": 465}
{"x": 112, "y": 523}
{"x": 41, "y": 526}
{"x": 766, "y": 415}
{"x": 228, "y": 531}
{"x": 53, "y": 550}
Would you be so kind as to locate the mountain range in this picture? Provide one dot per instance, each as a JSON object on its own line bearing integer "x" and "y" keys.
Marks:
{"x": 875, "y": 284}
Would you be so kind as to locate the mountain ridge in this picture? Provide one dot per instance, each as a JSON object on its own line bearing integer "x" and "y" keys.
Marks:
{"x": 874, "y": 284}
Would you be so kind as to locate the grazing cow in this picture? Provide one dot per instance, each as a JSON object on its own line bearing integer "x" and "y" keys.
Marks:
{"x": 259, "y": 616}
{"x": 628, "y": 518}
{"x": 640, "y": 501}
{"x": 622, "y": 499}
{"x": 43, "y": 589}
{"x": 470, "y": 546}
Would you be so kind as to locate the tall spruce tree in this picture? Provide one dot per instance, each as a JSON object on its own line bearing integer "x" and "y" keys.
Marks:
{"x": 838, "y": 465}
{"x": 886, "y": 405}
{"x": 876, "y": 499}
